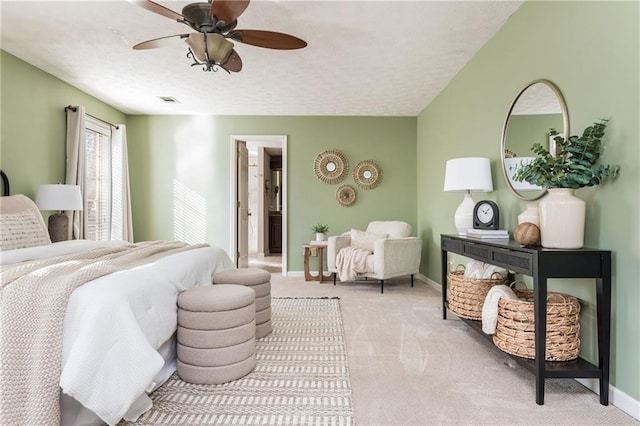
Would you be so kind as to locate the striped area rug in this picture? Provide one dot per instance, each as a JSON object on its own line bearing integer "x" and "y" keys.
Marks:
{"x": 301, "y": 377}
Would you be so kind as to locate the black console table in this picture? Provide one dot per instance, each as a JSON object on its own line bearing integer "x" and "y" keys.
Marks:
{"x": 541, "y": 264}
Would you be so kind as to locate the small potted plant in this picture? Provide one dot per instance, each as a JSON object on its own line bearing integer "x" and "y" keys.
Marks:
{"x": 572, "y": 167}
{"x": 320, "y": 230}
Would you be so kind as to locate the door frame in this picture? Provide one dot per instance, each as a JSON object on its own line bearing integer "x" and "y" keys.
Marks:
{"x": 275, "y": 141}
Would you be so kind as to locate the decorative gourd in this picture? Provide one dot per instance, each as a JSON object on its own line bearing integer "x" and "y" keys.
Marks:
{"x": 527, "y": 234}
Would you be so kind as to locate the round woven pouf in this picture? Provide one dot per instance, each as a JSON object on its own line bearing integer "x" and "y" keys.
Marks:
{"x": 259, "y": 281}
{"x": 216, "y": 333}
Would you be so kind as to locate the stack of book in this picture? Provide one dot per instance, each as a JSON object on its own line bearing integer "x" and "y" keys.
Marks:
{"x": 488, "y": 233}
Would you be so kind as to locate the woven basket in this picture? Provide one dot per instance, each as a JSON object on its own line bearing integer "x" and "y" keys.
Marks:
{"x": 515, "y": 330}
{"x": 466, "y": 295}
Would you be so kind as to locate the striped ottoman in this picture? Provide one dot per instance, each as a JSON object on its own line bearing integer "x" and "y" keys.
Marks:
{"x": 260, "y": 281}
{"x": 216, "y": 333}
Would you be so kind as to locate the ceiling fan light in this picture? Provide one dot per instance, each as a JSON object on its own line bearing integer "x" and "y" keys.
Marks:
{"x": 217, "y": 47}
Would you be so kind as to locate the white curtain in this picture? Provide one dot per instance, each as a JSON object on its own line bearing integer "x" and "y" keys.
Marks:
{"x": 76, "y": 163}
{"x": 121, "y": 221}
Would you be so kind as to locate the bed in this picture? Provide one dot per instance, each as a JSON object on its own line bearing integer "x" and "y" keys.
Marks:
{"x": 117, "y": 330}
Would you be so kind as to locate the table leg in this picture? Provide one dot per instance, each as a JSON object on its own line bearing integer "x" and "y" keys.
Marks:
{"x": 603, "y": 300}
{"x": 443, "y": 281}
{"x": 307, "y": 275}
{"x": 540, "y": 309}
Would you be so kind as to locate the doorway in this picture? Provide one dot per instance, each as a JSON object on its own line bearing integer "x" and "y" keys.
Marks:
{"x": 259, "y": 197}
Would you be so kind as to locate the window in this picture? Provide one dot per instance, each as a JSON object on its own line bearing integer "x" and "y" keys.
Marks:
{"x": 98, "y": 200}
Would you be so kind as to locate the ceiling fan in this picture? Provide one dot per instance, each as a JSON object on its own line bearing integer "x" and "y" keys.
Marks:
{"x": 215, "y": 23}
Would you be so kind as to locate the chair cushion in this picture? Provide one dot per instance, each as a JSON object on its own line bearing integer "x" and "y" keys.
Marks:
{"x": 365, "y": 240}
{"x": 394, "y": 228}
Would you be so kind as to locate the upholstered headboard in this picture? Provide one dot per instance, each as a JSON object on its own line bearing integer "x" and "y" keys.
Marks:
{"x": 21, "y": 223}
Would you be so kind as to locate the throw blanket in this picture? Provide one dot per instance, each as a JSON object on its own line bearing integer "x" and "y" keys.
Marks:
{"x": 490, "y": 307}
{"x": 33, "y": 300}
{"x": 350, "y": 261}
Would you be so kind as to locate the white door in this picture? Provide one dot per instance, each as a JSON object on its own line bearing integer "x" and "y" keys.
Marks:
{"x": 242, "y": 215}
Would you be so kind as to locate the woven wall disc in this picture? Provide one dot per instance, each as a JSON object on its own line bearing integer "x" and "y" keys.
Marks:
{"x": 346, "y": 195}
{"x": 330, "y": 166}
{"x": 367, "y": 174}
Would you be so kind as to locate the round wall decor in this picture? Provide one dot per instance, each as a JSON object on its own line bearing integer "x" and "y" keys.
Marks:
{"x": 346, "y": 195}
{"x": 367, "y": 174}
{"x": 330, "y": 166}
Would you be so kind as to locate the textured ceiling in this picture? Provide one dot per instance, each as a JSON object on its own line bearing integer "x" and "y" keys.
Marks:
{"x": 372, "y": 58}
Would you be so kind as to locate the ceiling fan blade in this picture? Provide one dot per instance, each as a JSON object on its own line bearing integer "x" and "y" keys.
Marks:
{"x": 234, "y": 63}
{"x": 158, "y": 8}
{"x": 268, "y": 39}
{"x": 160, "y": 42}
{"x": 228, "y": 10}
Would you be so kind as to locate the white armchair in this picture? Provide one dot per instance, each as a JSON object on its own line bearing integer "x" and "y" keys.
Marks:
{"x": 393, "y": 254}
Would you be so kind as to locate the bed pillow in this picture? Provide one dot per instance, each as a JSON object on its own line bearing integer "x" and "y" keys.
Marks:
{"x": 21, "y": 230}
{"x": 21, "y": 224}
{"x": 365, "y": 240}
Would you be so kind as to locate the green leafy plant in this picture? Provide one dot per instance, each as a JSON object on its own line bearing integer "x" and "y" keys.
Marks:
{"x": 573, "y": 166}
{"x": 320, "y": 228}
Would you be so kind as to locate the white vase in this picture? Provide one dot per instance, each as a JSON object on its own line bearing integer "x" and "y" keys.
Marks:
{"x": 319, "y": 236}
{"x": 530, "y": 215}
{"x": 562, "y": 219}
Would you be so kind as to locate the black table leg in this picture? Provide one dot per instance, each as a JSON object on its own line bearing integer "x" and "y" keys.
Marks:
{"x": 540, "y": 309}
{"x": 603, "y": 299}
{"x": 443, "y": 282}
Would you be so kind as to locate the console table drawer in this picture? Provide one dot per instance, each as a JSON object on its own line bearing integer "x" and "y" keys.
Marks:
{"x": 513, "y": 260}
{"x": 454, "y": 246}
{"x": 518, "y": 261}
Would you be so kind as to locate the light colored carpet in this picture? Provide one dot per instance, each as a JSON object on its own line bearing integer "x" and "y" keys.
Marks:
{"x": 301, "y": 377}
{"x": 409, "y": 367}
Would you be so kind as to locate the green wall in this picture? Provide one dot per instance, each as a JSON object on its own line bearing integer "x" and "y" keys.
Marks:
{"x": 193, "y": 152}
{"x": 591, "y": 51}
{"x": 32, "y": 144}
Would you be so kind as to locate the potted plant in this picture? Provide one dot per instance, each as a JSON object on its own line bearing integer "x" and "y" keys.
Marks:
{"x": 320, "y": 230}
{"x": 572, "y": 167}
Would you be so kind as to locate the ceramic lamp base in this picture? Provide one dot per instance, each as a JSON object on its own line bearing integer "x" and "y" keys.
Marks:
{"x": 58, "y": 227}
{"x": 464, "y": 214}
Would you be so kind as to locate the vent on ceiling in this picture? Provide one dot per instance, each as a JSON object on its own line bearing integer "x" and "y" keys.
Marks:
{"x": 169, "y": 99}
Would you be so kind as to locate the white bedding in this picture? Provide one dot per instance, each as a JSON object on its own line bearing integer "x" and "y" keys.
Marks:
{"x": 115, "y": 325}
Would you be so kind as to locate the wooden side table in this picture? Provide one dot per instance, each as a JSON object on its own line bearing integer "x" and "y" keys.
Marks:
{"x": 309, "y": 250}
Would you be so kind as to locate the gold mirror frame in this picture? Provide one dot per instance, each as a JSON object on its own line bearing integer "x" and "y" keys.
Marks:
{"x": 505, "y": 152}
{"x": 367, "y": 174}
{"x": 327, "y": 160}
{"x": 346, "y": 195}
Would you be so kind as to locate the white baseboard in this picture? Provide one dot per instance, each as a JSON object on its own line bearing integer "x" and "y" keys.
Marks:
{"x": 429, "y": 282}
{"x": 616, "y": 397}
{"x": 295, "y": 274}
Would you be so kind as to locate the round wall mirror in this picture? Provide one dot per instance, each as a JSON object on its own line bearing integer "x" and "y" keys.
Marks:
{"x": 536, "y": 109}
{"x": 367, "y": 174}
{"x": 330, "y": 166}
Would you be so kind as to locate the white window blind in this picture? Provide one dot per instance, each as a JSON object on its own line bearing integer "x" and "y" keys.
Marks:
{"x": 97, "y": 195}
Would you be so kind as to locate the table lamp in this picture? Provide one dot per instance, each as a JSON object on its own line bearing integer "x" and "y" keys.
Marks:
{"x": 61, "y": 198}
{"x": 466, "y": 175}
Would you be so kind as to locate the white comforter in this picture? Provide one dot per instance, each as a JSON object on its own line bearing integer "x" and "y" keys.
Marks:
{"x": 115, "y": 325}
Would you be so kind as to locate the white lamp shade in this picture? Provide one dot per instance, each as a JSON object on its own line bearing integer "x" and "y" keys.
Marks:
{"x": 59, "y": 197}
{"x": 468, "y": 174}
